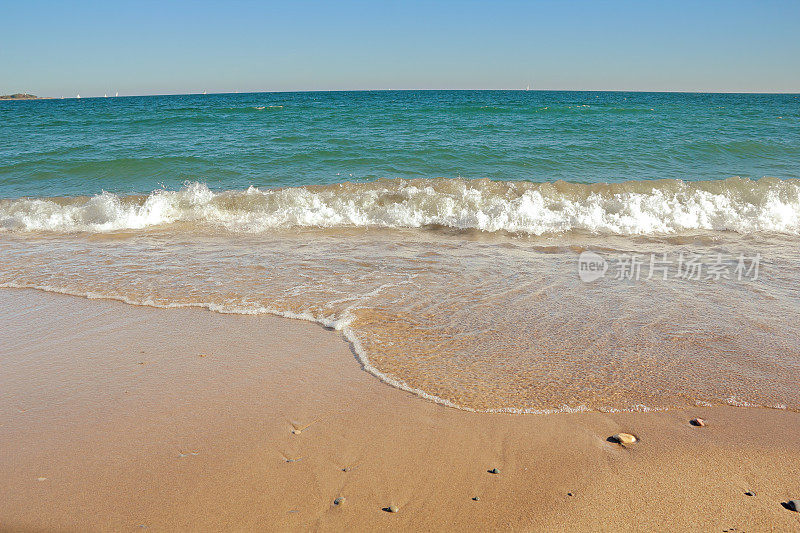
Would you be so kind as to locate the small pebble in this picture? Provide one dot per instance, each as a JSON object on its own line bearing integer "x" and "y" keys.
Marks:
{"x": 476, "y": 498}
{"x": 624, "y": 438}
{"x": 339, "y": 500}
{"x": 296, "y": 431}
{"x": 494, "y": 471}
{"x": 749, "y": 493}
{"x": 569, "y": 494}
{"x": 793, "y": 505}
{"x": 393, "y": 509}
{"x": 699, "y": 422}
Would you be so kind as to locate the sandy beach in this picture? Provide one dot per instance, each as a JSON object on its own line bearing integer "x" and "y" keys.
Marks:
{"x": 119, "y": 418}
{"x": 397, "y": 266}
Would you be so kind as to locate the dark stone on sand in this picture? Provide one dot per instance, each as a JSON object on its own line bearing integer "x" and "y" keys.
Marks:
{"x": 749, "y": 493}
{"x": 493, "y": 471}
{"x": 792, "y": 505}
{"x": 339, "y": 501}
{"x": 569, "y": 494}
{"x": 476, "y": 498}
{"x": 699, "y": 422}
{"x": 391, "y": 509}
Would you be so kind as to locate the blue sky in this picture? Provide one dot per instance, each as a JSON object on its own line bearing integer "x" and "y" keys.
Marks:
{"x": 144, "y": 47}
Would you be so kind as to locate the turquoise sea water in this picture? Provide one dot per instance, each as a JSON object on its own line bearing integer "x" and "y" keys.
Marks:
{"x": 137, "y": 144}
{"x": 441, "y": 233}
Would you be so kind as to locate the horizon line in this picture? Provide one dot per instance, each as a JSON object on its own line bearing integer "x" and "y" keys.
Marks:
{"x": 396, "y": 90}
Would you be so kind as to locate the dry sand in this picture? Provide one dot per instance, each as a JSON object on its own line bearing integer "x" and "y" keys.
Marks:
{"x": 110, "y": 419}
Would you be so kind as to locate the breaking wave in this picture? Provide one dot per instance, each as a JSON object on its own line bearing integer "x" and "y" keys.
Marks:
{"x": 630, "y": 208}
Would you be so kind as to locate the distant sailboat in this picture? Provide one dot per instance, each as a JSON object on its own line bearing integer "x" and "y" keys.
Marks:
{"x": 204, "y": 92}
{"x": 528, "y": 88}
{"x": 116, "y": 94}
{"x": 78, "y": 96}
{"x": 105, "y": 95}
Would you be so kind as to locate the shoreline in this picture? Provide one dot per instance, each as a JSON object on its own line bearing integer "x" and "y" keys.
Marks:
{"x": 26, "y": 97}
{"x": 118, "y": 417}
{"x": 348, "y": 336}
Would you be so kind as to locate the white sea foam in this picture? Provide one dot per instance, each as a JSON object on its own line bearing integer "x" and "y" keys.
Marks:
{"x": 665, "y": 206}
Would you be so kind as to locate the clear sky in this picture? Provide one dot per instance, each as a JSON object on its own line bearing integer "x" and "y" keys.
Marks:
{"x": 151, "y": 47}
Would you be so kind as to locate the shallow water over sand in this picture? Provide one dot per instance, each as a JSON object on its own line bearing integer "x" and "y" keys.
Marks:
{"x": 491, "y": 322}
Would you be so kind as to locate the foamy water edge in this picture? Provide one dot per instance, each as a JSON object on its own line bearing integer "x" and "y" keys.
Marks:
{"x": 342, "y": 326}
{"x": 630, "y": 208}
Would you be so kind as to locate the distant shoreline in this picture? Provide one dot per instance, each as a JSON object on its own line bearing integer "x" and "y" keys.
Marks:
{"x": 22, "y": 96}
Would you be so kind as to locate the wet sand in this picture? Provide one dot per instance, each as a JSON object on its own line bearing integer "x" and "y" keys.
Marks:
{"x": 114, "y": 417}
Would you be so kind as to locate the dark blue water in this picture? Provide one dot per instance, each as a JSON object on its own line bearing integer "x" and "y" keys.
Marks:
{"x": 231, "y": 141}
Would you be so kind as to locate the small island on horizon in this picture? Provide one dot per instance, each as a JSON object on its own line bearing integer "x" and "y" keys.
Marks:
{"x": 19, "y": 96}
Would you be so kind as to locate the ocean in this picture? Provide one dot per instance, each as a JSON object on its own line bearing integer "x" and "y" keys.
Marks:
{"x": 501, "y": 251}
